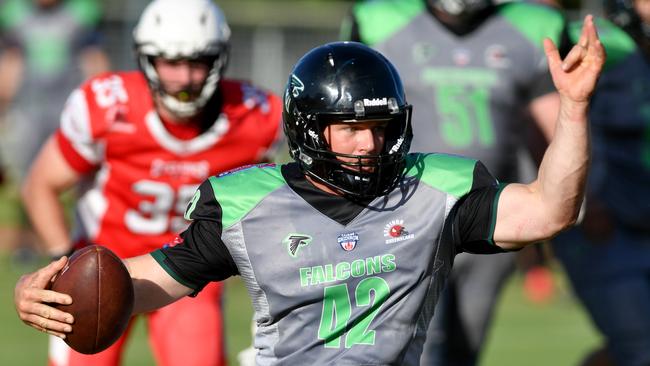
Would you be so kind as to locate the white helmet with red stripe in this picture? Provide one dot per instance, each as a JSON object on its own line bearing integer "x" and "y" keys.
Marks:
{"x": 183, "y": 29}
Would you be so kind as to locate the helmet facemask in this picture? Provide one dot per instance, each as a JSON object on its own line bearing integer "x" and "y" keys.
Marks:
{"x": 361, "y": 176}
{"x": 197, "y": 96}
{"x": 461, "y": 8}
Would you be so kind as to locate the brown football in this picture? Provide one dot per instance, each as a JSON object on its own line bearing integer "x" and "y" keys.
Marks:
{"x": 102, "y": 298}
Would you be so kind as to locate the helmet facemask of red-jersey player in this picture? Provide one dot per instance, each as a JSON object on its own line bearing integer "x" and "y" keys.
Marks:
{"x": 195, "y": 31}
{"x": 461, "y": 16}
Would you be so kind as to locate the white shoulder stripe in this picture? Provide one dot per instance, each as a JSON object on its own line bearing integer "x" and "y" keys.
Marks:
{"x": 93, "y": 205}
{"x": 76, "y": 126}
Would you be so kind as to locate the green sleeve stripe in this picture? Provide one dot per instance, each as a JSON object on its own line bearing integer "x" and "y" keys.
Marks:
{"x": 13, "y": 12}
{"x": 448, "y": 173}
{"x": 86, "y": 12}
{"x": 534, "y": 21}
{"x": 495, "y": 206}
{"x": 160, "y": 257}
{"x": 238, "y": 193}
{"x": 378, "y": 20}
{"x": 618, "y": 44}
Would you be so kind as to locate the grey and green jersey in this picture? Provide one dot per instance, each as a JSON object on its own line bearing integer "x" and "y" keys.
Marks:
{"x": 469, "y": 91}
{"x": 620, "y": 119}
{"x": 335, "y": 281}
{"x": 49, "y": 37}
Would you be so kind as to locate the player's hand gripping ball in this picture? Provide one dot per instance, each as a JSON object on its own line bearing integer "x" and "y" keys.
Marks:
{"x": 102, "y": 298}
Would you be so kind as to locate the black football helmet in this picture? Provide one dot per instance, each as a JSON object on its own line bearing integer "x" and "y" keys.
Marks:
{"x": 347, "y": 81}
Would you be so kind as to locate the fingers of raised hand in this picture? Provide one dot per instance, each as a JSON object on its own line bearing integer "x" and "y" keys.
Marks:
{"x": 588, "y": 48}
{"x": 552, "y": 56}
{"x": 575, "y": 55}
{"x": 579, "y": 50}
{"x": 598, "y": 54}
{"x": 593, "y": 46}
{"x": 589, "y": 29}
{"x": 551, "y": 51}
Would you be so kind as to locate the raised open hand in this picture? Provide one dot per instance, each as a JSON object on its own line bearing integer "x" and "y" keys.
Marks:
{"x": 575, "y": 77}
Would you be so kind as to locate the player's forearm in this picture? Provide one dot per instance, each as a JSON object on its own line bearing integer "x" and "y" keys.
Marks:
{"x": 153, "y": 287}
{"x": 46, "y": 213}
{"x": 563, "y": 171}
{"x": 11, "y": 71}
{"x": 540, "y": 210}
{"x": 529, "y": 213}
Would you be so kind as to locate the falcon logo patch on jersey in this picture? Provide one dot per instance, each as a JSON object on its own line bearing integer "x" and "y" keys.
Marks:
{"x": 295, "y": 242}
{"x": 395, "y": 231}
{"x": 348, "y": 241}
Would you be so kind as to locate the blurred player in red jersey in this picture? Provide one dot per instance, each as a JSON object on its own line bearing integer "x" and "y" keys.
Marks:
{"x": 138, "y": 144}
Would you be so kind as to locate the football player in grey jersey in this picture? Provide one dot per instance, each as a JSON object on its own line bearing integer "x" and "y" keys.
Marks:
{"x": 471, "y": 70}
{"x": 345, "y": 250}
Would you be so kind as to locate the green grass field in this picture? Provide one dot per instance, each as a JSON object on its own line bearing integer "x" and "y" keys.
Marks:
{"x": 555, "y": 334}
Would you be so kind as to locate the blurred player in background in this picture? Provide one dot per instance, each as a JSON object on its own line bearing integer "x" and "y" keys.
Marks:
{"x": 474, "y": 72}
{"x": 137, "y": 144}
{"x": 607, "y": 258}
{"x": 47, "y": 47}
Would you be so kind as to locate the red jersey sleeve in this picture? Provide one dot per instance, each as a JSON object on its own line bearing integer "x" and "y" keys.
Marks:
{"x": 87, "y": 117}
{"x": 271, "y": 128}
{"x": 266, "y": 125}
